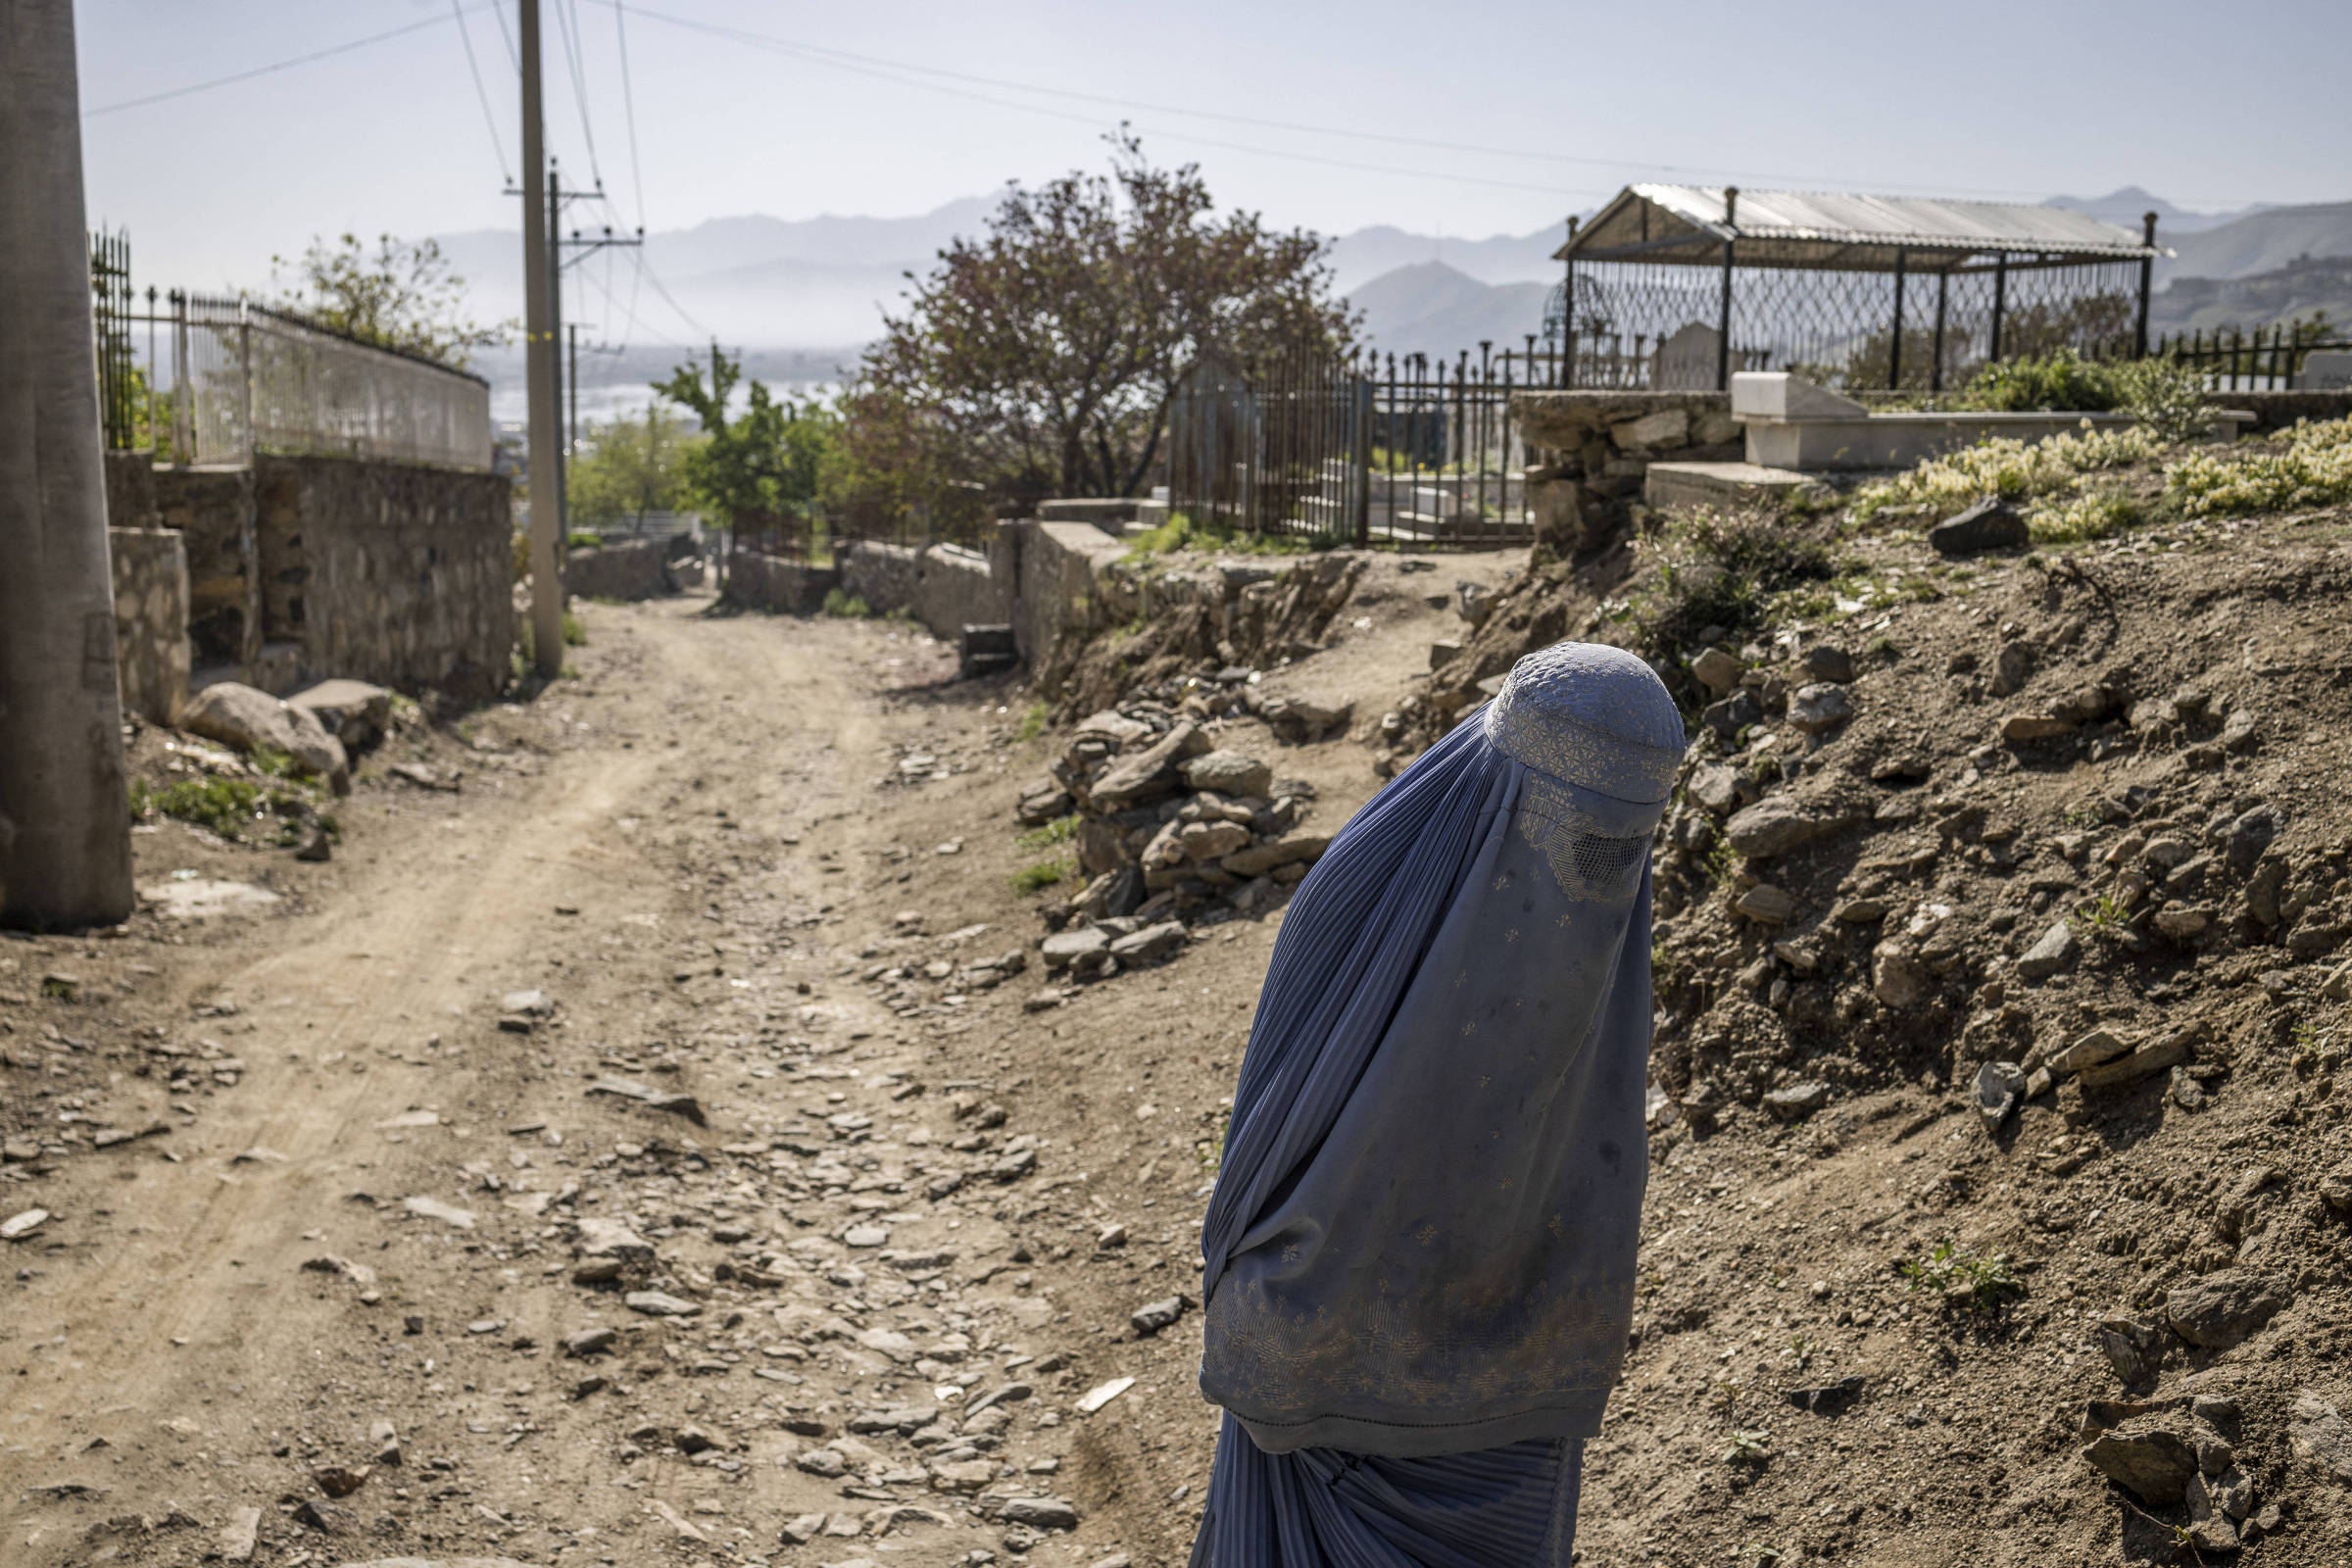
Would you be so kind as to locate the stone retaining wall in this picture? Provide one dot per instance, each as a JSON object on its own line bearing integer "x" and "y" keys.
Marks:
{"x": 946, "y": 587}
{"x": 391, "y": 573}
{"x": 2275, "y": 411}
{"x": 637, "y": 570}
{"x": 151, "y": 618}
{"x": 778, "y": 583}
{"x": 1595, "y": 449}
{"x": 212, "y": 509}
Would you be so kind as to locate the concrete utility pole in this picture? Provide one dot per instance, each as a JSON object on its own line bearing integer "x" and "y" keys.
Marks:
{"x": 65, "y": 805}
{"x": 540, "y": 364}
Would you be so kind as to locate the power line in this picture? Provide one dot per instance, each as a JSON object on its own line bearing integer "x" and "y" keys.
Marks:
{"x": 481, "y": 92}
{"x": 514, "y": 55}
{"x": 270, "y": 69}
{"x": 798, "y": 52}
{"x": 628, "y": 102}
{"x": 566, "y": 30}
{"x": 878, "y": 66}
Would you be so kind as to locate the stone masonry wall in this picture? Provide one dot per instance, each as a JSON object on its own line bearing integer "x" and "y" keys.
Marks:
{"x": 1053, "y": 567}
{"x": 151, "y": 620}
{"x": 1595, "y": 449}
{"x": 212, "y": 509}
{"x": 391, "y": 573}
{"x": 637, "y": 570}
{"x": 778, "y": 583}
{"x": 946, "y": 587}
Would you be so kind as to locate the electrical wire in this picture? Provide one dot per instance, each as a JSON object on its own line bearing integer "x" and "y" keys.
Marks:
{"x": 481, "y": 92}
{"x": 567, "y": 32}
{"x": 514, "y": 55}
{"x": 628, "y": 103}
{"x": 878, "y": 66}
{"x": 269, "y": 70}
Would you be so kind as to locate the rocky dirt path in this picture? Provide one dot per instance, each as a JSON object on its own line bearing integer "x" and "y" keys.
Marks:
{"x": 638, "y": 1156}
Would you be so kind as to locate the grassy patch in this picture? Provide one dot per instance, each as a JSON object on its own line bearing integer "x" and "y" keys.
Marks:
{"x": 230, "y": 807}
{"x": 1039, "y": 875}
{"x": 575, "y": 631}
{"x": 1061, "y": 830}
{"x": 2307, "y": 466}
{"x": 2082, "y": 519}
{"x": 847, "y": 606}
{"x": 2012, "y": 469}
{"x": 1033, "y": 721}
{"x": 1985, "y": 1278}
{"x": 1181, "y": 532}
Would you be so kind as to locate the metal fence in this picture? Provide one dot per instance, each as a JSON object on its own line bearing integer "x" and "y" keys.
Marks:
{"x": 195, "y": 378}
{"x": 1657, "y": 326}
{"x": 1392, "y": 450}
{"x": 251, "y": 379}
{"x": 2264, "y": 359}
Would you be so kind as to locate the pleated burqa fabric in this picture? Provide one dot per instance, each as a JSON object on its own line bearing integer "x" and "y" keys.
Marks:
{"x": 1418, "y": 1264}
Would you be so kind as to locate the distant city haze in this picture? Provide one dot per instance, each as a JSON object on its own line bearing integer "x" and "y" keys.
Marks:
{"x": 905, "y": 119}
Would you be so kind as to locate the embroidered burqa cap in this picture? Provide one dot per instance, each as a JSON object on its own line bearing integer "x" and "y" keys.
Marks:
{"x": 1422, "y": 1237}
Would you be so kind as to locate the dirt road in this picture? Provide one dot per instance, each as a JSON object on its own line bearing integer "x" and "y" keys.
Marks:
{"x": 400, "y": 1283}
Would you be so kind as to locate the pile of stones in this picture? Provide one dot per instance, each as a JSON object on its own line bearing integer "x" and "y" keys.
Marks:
{"x": 1172, "y": 832}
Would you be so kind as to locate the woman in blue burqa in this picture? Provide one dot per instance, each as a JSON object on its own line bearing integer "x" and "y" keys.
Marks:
{"x": 1419, "y": 1258}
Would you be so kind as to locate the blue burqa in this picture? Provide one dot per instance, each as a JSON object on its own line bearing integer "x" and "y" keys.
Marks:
{"x": 1419, "y": 1258}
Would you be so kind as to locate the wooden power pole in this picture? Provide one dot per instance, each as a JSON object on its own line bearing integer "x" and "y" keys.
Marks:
{"x": 65, "y": 804}
{"x": 540, "y": 363}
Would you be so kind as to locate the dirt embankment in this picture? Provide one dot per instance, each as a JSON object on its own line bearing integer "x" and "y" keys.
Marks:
{"x": 803, "y": 1218}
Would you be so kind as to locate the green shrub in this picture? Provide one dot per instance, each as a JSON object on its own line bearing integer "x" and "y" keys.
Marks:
{"x": 1033, "y": 721}
{"x": 2168, "y": 398}
{"x": 1722, "y": 570}
{"x": 847, "y": 606}
{"x": 2062, "y": 381}
{"x": 575, "y": 631}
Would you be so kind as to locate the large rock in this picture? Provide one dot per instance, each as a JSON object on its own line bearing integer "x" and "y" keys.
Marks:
{"x": 1990, "y": 524}
{"x": 1288, "y": 850}
{"x": 2322, "y": 1436}
{"x": 1150, "y": 772}
{"x": 1820, "y": 708}
{"x": 1207, "y": 841}
{"x": 238, "y": 715}
{"x": 2153, "y": 1462}
{"x": 1228, "y": 774}
{"x": 2057, "y": 950}
{"x": 1783, "y": 823}
{"x": 351, "y": 711}
{"x": 2221, "y": 1311}
{"x": 1301, "y": 720}
{"x": 1151, "y": 943}
{"x": 1065, "y": 947}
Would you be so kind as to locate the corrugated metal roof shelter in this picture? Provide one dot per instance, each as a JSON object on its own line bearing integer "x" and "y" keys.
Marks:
{"x": 1860, "y": 291}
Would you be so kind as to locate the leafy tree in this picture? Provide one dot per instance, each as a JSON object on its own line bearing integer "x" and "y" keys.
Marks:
{"x": 762, "y": 470}
{"x": 1041, "y": 359}
{"x": 631, "y": 466}
{"x": 402, "y": 295}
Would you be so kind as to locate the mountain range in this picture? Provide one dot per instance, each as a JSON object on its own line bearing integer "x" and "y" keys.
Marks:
{"x": 810, "y": 289}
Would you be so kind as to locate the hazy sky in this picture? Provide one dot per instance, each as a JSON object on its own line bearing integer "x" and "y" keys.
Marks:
{"x": 2209, "y": 106}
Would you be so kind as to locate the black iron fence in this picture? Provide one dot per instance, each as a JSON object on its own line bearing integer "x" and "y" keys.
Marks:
{"x": 1379, "y": 450}
{"x": 2263, "y": 360}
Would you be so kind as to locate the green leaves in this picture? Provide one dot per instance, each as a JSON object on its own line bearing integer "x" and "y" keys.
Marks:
{"x": 402, "y": 295}
{"x": 1039, "y": 358}
{"x": 761, "y": 471}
